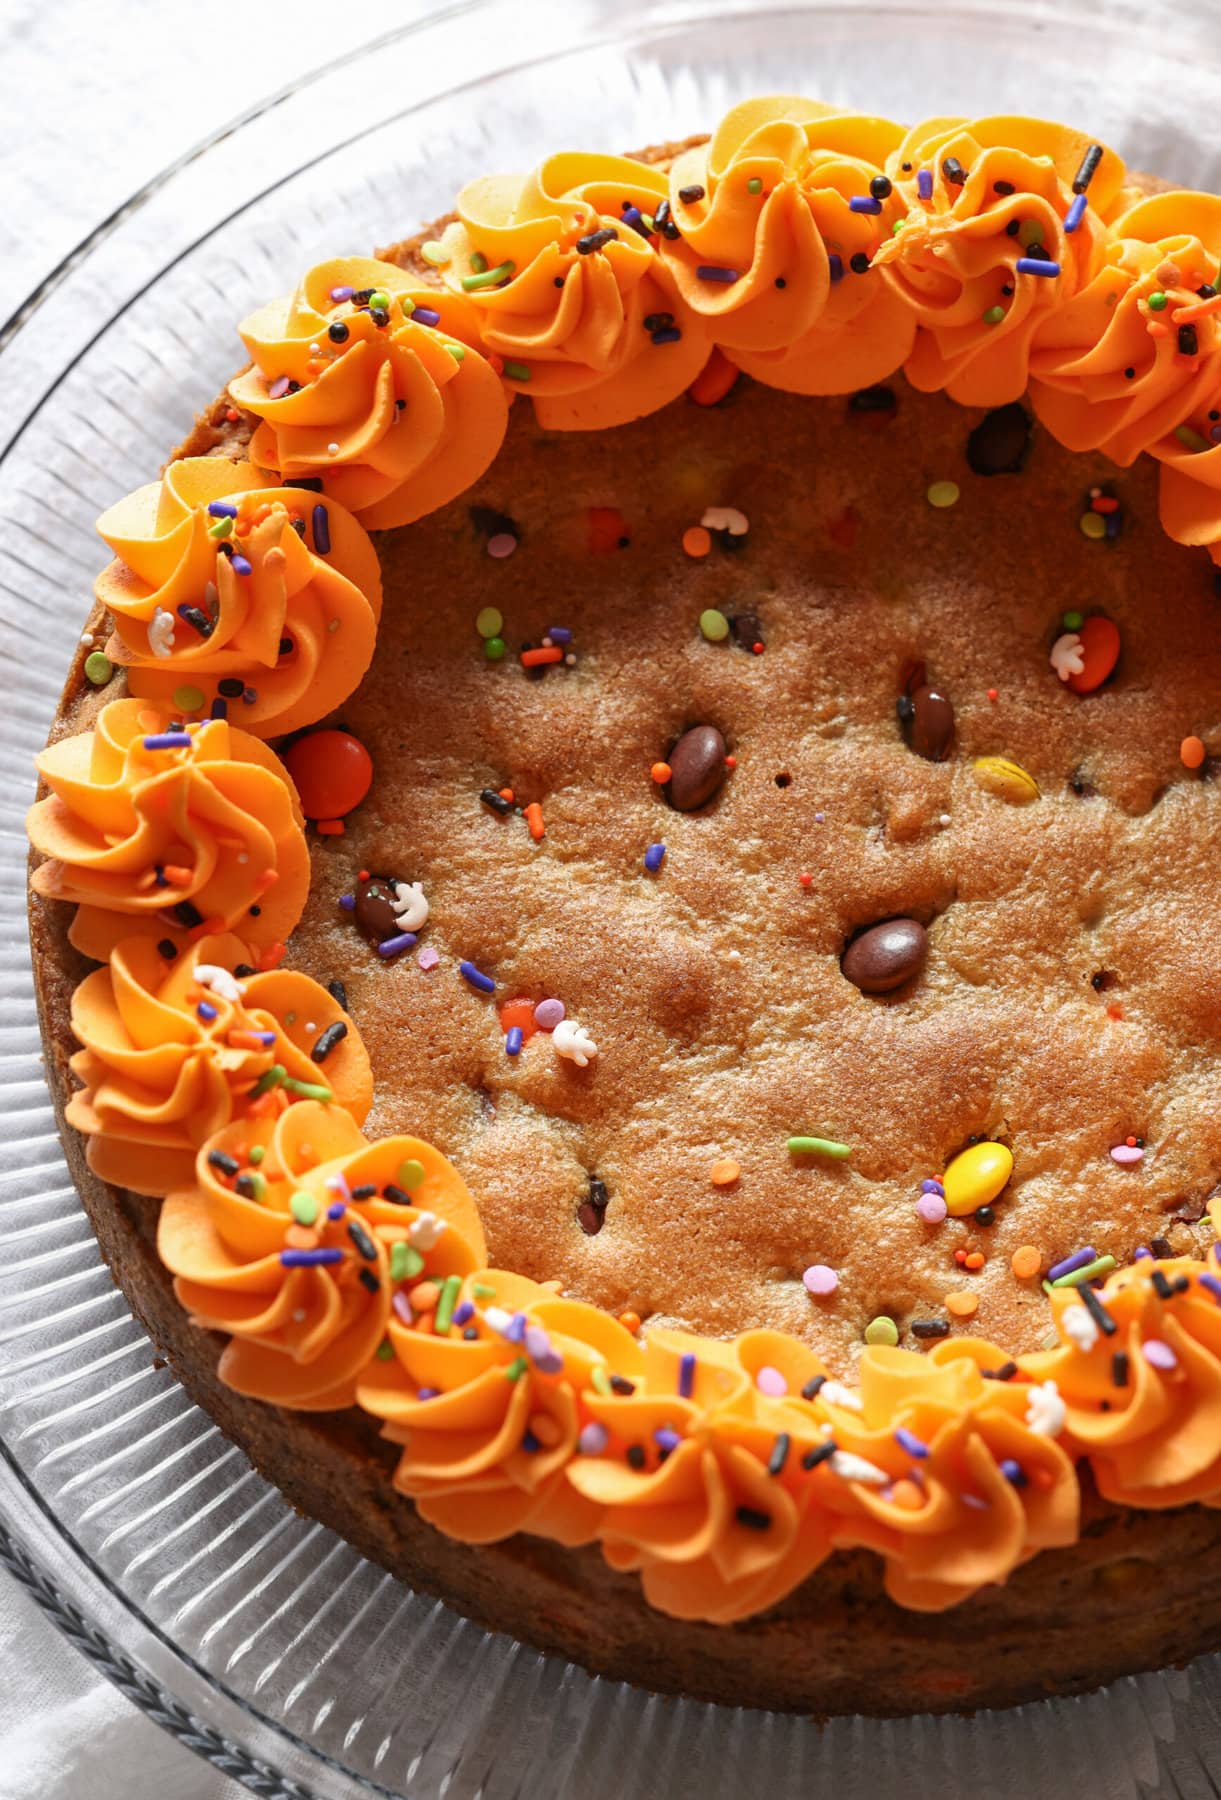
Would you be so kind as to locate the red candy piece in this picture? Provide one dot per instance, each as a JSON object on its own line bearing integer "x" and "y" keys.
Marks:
{"x": 331, "y": 770}
{"x": 520, "y": 1013}
{"x": 1100, "y": 651}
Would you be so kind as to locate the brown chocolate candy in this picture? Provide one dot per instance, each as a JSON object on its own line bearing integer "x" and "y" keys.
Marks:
{"x": 885, "y": 955}
{"x": 697, "y": 767}
{"x": 374, "y": 912}
{"x": 927, "y": 718}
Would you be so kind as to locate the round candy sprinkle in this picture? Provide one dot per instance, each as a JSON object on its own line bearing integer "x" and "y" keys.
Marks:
{"x": 724, "y": 1172}
{"x": 1158, "y": 302}
{"x": 976, "y": 1176}
{"x": 1128, "y": 1154}
{"x": 502, "y": 544}
{"x": 1073, "y": 621}
{"x": 697, "y": 541}
{"x": 98, "y": 668}
{"x": 994, "y": 315}
{"x": 304, "y": 1208}
{"x": 771, "y": 1382}
{"x": 714, "y": 625}
{"x": 332, "y": 772}
{"x": 932, "y": 1208}
{"x": 1100, "y": 646}
{"x": 660, "y": 773}
{"x": 1026, "y": 1262}
{"x": 411, "y": 1174}
{"x": 494, "y": 648}
{"x": 1093, "y": 525}
{"x": 882, "y": 1330}
{"x": 489, "y": 621}
{"x": 962, "y": 1305}
{"x": 1159, "y": 1355}
{"x": 820, "y": 1280}
{"x": 943, "y": 493}
{"x": 188, "y": 699}
{"x": 1191, "y": 750}
{"x": 654, "y": 856}
{"x": 548, "y": 1014}
{"x": 593, "y": 1439}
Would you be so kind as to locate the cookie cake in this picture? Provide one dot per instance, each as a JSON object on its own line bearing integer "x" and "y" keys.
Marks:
{"x": 624, "y": 901}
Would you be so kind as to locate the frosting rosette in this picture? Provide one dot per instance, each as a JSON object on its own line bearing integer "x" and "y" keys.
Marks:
{"x": 988, "y": 204}
{"x": 770, "y": 214}
{"x": 297, "y": 1239}
{"x": 1123, "y": 364}
{"x": 375, "y": 384}
{"x": 156, "y": 826}
{"x": 221, "y": 579}
{"x": 570, "y": 292}
{"x": 1189, "y": 492}
{"x": 175, "y": 1050}
{"x": 1140, "y": 1375}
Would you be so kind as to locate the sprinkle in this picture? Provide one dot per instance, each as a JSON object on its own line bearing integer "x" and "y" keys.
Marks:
{"x": 930, "y": 1328}
{"x": 537, "y": 659}
{"x": 962, "y": 1305}
{"x": 953, "y": 171}
{"x": 595, "y": 240}
{"x": 667, "y": 1441}
{"x": 594, "y": 1437}
{"x": 771, "y": 1382}
{"x": 428, "y": 958}
{"x": 411, "y": 1174}
{"x": 451, "y": 1287}
{"x": 1013, "y": 1472}
{"x": 168, "y": 740}
{"x": 513, "y": 1041}
{"x": 489, "y": 621}
{"x": 393, "y": 946}
{"x": 993, "y": 315}
{"x": 310, "y": 1259}
{"x": 221, "y": 509}
{"x": 835, "y": 266}
{"x": 715, "y": 272}
{"x": 907, "y": 1440}
{"x": 820, "y": 1280}
{"x": 864, "y": 203}
{"x": 653, "y": 857}
{"x": 334, "y": 1034}
{"x": 818, "y": 1146}
{"x": 1159, "y": 1355}
{"x": 686, "y": 1375}
{"x": 666, "y": 334}
{"x": 1035, "y": 265}
{"x": 1100, "y": 1266}
{"x": 425, "y": 315}
{"x": 932, "y": 1208}
{"x": 516, "y": 1369}
{"x": 533, "y": 815}
{"x": 405, "y": 1262}
{"x": 1088, "y": 168}
{"x": 1213, "y": 1286}
{"x": 500, "y": 545}
{"x": 850, "y": 1467}
{"x": 1075, "y": 213}
{"x": 517, "y": 371}
{"x": 1192, "y": 753}
{"x": 821, "y": 1453}
{"x": 1077, "y": 1260}
{"x": 476, "y": 977}
{"x": 714, "y": 625}
{"x": 485, "y": 278}
{"x": 924, "y": 183}
{"x": 882, "y": 1330}
{"x": 1127, "y": 1154}
{"x": 1026, "y": 1261}
{"x": 753, "y": 1519}
{"x": 240, "y": 565}
{"x": 942, "y": 494}
{"x": 697, "y": 541}
{"x": 548, "y": 1014}
{"x": 98, "y": 668}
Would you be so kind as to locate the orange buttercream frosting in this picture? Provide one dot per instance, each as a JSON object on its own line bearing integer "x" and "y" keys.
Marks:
{"x": 158, "y": 830}
{"x": 1190, "y": 489}
{"x": 561, "y": 270}
{"x": 174, "y": 1050}
{"x": 395, "y": 414}
{"x": 997, "y": 189}
{"x": 272, "y": 589}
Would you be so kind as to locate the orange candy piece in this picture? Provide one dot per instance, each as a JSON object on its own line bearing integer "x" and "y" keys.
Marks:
{"x": 714, "y": 380}
{"x": 332, "y": 772}
{"x": 1100, "y": 652}
{"x": 724, "y": 1172}
{"x": 1026, "y": 1261}
{"x": 521, "y": 1014}
{"x": 660, "y": 773}
{"x": 697, "y": 540}
{"x": 962, "y": 1305}
{"x": 1192, "y": 753}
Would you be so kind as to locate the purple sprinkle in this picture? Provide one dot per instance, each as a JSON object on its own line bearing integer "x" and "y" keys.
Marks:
{"x": 501, "y": 544}
{"x": 428, "y": 957}
{"x": 220, "y": 709}
{"x": 907, "y": 1440}
{"x": 425, "y": 315}
{"x": 239, "y": 564}
{"x": 348, "y": 902}
{"x": 530, "y": 1444}
{"x": 924, "y": 184}
{"x": 276, "y": 390}
{"x": 322, "y": 530}
{"x": 1159, "y": 1355}
{"x": 427, "y": 1393}
{"x": 1075, "y": 213}
{"x": 686, "y": 1374}
{"x": 668, "y": 334}
{"x": 835, "y": 263}
{"x": 714, "y": 272}
{"x": 1077, "y": 1260}
{"x": 1013, "y": 1472}
{"x": 820, "y": 1279}
{"x": 1215, "y": 434}
{"x": 559, "y": 634}
{"x": 1113, "y": 523}
{"x": 593, "y": 1439}
{"x": 633, "y": 216}
{"x": 932, "y": 1209}
{"x": 207, "y": 1011}
{"x": 974, "y": 1501}
{"x": 249, "y": 696}
{"x": 1034, "y": 265}
{"x": 1142, "y": 1253}
{"x": 309, "y": 1259}
{"x": 665, "y": 1439}
{"x": 864, "y": 203}
{"x": 402, "y": 1307}
{"x": 168, "y": 740}
{"x": 264, "y": 1037}
{"x": 341, "y": 293}
{"x": 654, "y": 856}
{"x": 476, "y": 977}
{"x": 515, "y": 1330}
{"x": 548, "y": 1014}
{"x": 1213, "y": 1285}
{"x": 513, "y": 1041}
{"x": 221, "y": 509}
{"x": 463, "y": 1311}
{"x": 393, "y": 945}
{"x": 337, "y": 1209}
{"x": 551, "y": 1364}
{"x": 931, "y": 1186}
{"x": 537, "y": 1342}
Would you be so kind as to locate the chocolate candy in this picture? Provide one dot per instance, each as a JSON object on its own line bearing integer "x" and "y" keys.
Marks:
{"x": 747, "y": 629}
{"x": 1000, "y": 442}
{"x": 927, "y": 718}
{"x": 886, "y": 955}
{"x": 374, "y": 913}
{"x": 697, "y": 767}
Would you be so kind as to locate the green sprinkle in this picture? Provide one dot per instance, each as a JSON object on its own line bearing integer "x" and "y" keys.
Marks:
{"x": 818, "y": 1146}
{"x": 516, "y": 1368}
{"x": 494, "y": 648}
{"x": 485, "y": 277}
{"x": 1158, "y": 302}
{"x": 1100, "y": 1266}
{"x": 457, "y": 351}
{"x": 714, "y": 625}
{"x": 407, "y": 304}
{"x": 517, "y": 371}
{"x": 98, "y": 668}
{"x": 489, "y": 621}
{"x": 943, "y": 493}
{"x": 256, "y": 1153}
{"x": 1093, "y": 525}
{"x": 1030, "y": 232}
{"x": 379, "y": 300}
{"x": 600, "y": 1380}
{"x": 881, "y": 1331}
{"x": 897, "y": 227}
{"x": 994, "y": 315}
{"x": 385, "y": 1351}
{"x": 754, "y": 185}
{"x": 304, "y": 1208}
{"x": 274, "y": 1076}
{"x": 411, "y": 1173}
{"x": 258, "y": 1184}
{"x": 451, "y": 1287}
{"x": 188, "y": 699}
{"x": 479, "y": 261}
{"x": 435, "y": 253}
{"x": 405, "y": 1262}
{"x": 1073, "y": 621}
{"x": 1184, "y": 433}
{"x": 648, "y": 221}
{"x": 482, "y": 1290}
{"x": 308, "y": 1090}
{"x": 223, "y": 528}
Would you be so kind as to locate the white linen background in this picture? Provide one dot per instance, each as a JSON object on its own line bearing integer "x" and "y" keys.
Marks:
{"x": 97, "y": 96}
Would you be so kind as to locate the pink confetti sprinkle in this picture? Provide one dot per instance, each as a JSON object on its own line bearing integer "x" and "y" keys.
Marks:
{"x": 548, "y": 1014}
{"x": 771, "y": 1382}
{"x": 428, "y": 957}
{"x": 1159, "y": 1355}
{"x": 820, "y": 1279}
{"x": 1127, "y": 1153}
{"x": 932, "y": 1208}
{"x": 403, "y": 1308}
{"x": 502, "y": 544}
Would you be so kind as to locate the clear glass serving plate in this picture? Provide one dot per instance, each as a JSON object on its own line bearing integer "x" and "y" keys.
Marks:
{"x": 256, "y": 1637}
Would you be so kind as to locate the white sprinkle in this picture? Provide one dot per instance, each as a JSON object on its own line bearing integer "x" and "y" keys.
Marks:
{"x": 423, "y": 1233}
{"x": 496, "y": 1318}
{"x": 944, "y": 820}
{"x": 725, "y": 518}
{"x": 332, "y": 449}
{"x": 161, "y": 632}
{"x": 855, "y": 1468}
{"x": 574, "y": 1042}
{"x": 836, "y": 1394}
{"x": 86, "y": 637}
{"x": 1067, "y": 655}
{"x": 1079, "y": 1328}
{"x": 1046, "y": 1412}
{"x": 218, "y": 981}
{"x": 409, "y": 905}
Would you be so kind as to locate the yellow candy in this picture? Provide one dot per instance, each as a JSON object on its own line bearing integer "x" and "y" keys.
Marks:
{"x": 1007, "y": 780}
{"x": 976, "y": 1177}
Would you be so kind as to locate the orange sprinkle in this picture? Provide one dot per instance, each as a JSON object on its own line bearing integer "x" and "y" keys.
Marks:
{"x": 546, "y": 1429}
{"x": 994, "y": 693}
{"x": 244, "y": 1040}
{"x": 274, "y": 954}
{"x": 731, "y": 763}
{"x": 206, "y": 928}
{"x": 660, "y": 773}
{"x": 963, "y": 1306}
{"x": 508, "y": 794}
{"x": 1198, "y": 309}
{"x": 425, "y": 1322}
{"x": 1114, "y": 1012}
{"x": 697, "y": 541}
{"x": 724, "y": 1172}
{"x": 630, "y": 1321}
{"x": 1191, "y": 750}
{"x": 519, "y": 1012}
{"x": 1026, "y": 1261}
{"x": 232, "y": 415}
{"x": 976, "y": 1260}
{"x": 301, "y": 1237}
{"x": 908, "y": 1495}
{"x": 266, "y": 880}
{"x": 177, "y": 875}
{"x": 1104, "y": 503}
{"x": 424, "y": 1296}
{"x": 805, "y": 878}
{"x": 713, "y": 381}
{"x": 534, "y": 819}
{"x": 533, "y": 659}
{"x": 607, "y": 529}
{"x": 329, "y": 827}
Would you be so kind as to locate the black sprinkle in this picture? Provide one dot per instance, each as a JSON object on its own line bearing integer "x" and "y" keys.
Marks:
{"x": 985, "y": 1215}
{"x": 859, "y": 264}
{"x": 256, "y": 912}
{"x": 220, "y": 1159}
{"x": 879, "y": 187}
{"x": 594, "y": 240}
{"x": 1120, "y": 1368}
{"x": 168, "y": 948}
{"x": 189, "y": 915}
{"x": 1189, "y": 341}
{"x": 338, "y": 332}
{"x": 496, "y": 801}
{"x": 338, "y": 993}
{"x": 1097, "y": 1311}
{"x": 1088, "y": 169}
{"x": 245, "y": 1187}
{"x": 753, "y": 1518}
{"x": 492, "y": 523}
{"x": 621, "y": 1385}
{"x": 286, "y": 646}
{"x": 780, "y": 1454}
{"x": 813, "y": 1388}
{"x": 635, "y": 1455}
{"x": 873, "y": 400}
{"x": 364, "y": 1243}
{"x": 1006, "y": 1372}
{"x": 589, "y": 1218}
{"x": 369, "y": 1280}
{"x": 1003, "y": 188}
{"x": 747, "y": 629}
{"x": 1013, "y": 227}
{"x": 196, "y": 616}
{"x": 470, "y": 1333}
{"x": 396, "y": 1196}
{"x": 242, "y": 970}
{"x": 1162, "y": 1247}
{"x": 312, "y": 483}
{"x": 1161, "y": 1286}
{"x": 953, "y": 171}
{"x": 334, "y": 1034}
{"x": 930, "y": 1328}
{"x": 688, "y": 195}
{"x": 231, "y": 687}
{"x": 819, "y": 1454}
{"x": 365, "y": 1191}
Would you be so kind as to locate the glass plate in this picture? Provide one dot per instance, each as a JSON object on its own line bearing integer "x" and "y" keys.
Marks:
{"x": 256, "y": 1637}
